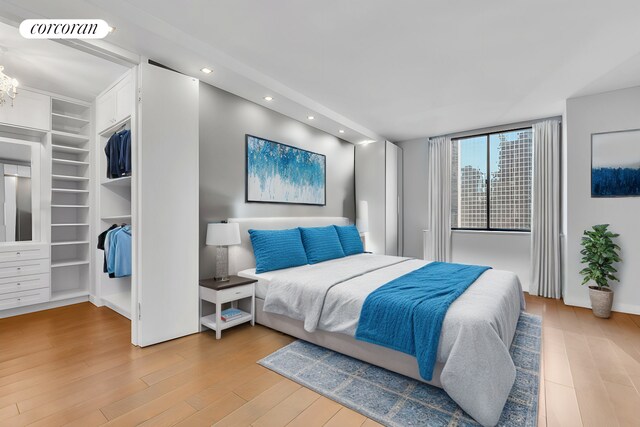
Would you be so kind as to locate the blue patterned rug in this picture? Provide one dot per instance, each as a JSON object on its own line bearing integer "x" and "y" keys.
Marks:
{"x": 395, "y": 400}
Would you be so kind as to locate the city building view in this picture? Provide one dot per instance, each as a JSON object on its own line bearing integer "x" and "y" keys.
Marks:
{"x": 506, "y": 158}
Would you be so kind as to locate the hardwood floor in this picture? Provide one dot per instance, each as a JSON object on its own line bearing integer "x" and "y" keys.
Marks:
{"x": 75, "y": 366}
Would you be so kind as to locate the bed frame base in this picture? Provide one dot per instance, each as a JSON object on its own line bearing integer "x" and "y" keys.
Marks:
{"x": 380, "y": 356}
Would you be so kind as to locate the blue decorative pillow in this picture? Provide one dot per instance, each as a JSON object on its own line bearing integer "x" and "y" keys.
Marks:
{"x": 350, "y": 239}
{"x": 277, "y": 249}
{"x": 321, "y": 243}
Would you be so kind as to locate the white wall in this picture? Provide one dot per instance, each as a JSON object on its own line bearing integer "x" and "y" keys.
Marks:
{"x": 501, "y": 250}
{"x": 611, "y": 111}
{"x": 504, "y": 251}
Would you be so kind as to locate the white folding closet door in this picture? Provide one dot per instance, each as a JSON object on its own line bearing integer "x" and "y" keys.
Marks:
{"x": 167, "y": 206}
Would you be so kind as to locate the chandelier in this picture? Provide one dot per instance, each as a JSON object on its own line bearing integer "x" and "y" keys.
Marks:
{"x": 8, "y": 87}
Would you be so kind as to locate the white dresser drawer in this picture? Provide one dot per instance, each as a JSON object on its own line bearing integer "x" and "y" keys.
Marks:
{"x": 233, "y": 294}
{"x": 9, "y": 253}
{"x": 18, "y": 299}
{"x": 24, "y": 268}
{"x": 226, "y": 295}
{"x": 23, "y": 283}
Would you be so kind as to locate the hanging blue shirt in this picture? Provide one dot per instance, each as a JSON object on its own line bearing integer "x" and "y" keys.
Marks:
{"x": 124, "y": 161}
{"x": 118, "y": 151}
{"x": 119, "y": 258}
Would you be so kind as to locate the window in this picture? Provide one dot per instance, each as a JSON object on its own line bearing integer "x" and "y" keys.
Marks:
{"x": 491, "y": 181}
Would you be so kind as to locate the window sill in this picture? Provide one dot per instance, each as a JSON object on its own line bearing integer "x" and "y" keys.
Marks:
{"x": 516, "y": 233}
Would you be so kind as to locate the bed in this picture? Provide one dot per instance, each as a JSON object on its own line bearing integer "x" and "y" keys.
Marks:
{"x": 473, "y": 362}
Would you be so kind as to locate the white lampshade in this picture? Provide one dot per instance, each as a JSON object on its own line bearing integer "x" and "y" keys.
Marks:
{"x": 362, "y": 216}
{"x": 223, "y": 234}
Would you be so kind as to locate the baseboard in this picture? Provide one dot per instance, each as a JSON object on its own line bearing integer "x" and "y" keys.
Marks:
{"x": 39, "y": 307}
{"x": 97, "y": 301}
{"x": 619, "y": 307}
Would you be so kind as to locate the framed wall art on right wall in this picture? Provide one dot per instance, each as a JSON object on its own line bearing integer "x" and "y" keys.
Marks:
{"x": 615, "y": 164}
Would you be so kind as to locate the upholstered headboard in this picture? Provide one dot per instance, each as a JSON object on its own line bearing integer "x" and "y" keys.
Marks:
{"x": 241, "y": 256}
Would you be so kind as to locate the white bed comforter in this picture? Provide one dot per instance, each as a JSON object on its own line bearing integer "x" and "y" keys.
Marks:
{"x": 478, "y": 372}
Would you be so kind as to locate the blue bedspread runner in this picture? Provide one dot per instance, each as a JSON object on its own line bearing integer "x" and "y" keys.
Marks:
{"x": 406, "y": 314}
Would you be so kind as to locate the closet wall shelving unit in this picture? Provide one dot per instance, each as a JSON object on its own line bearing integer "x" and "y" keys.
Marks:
{"x": 71, "y": 198}
{"x": 114, "y": 112}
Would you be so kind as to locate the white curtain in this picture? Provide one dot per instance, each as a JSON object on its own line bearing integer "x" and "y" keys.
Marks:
{"x": 545, "y": 220}
{"x": 439, "y": 189}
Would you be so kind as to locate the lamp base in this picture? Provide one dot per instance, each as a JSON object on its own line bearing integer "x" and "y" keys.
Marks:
{"x": 222, "y": 264}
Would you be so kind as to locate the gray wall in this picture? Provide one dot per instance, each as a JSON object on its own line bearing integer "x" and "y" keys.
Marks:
{"x": 224, "y": 121}
{"x": 611, "y": 111}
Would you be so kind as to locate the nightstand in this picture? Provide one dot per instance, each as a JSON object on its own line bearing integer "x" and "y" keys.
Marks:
{"x": 218, "y": 293}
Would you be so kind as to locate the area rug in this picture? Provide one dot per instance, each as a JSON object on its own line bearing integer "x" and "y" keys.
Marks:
{"x": 395, "y": 400}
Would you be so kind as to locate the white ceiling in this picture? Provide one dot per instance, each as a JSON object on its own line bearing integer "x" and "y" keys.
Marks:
{"x": 53, "y": 67}
{"x": 400, "y": 70}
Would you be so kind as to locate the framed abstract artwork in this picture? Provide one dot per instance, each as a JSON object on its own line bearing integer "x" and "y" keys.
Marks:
{"x": 615, "y": 164}
{"x": 280, "y": 173}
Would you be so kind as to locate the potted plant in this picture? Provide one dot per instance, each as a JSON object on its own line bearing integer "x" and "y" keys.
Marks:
{"x": 599, "y": 253}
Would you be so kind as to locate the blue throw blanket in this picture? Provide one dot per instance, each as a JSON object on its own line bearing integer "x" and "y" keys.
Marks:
{"x": 406, "y": 314}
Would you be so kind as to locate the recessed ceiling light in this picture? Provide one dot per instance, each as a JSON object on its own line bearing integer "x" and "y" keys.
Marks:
{"x": 111, "y": 29}
{"x": 310, "y": 117}
{"x": 268, "y": 98}
{"x": 206, "y": 70}
{"x": 341, "y": 131}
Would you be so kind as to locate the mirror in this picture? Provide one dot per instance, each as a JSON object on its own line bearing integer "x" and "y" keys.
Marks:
{"x": 15, "y": 193}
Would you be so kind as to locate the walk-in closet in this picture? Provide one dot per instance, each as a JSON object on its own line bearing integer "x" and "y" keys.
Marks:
{"x": 90, "y": 214}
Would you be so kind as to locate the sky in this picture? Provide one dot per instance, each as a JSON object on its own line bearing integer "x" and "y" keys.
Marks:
{"x": 473, "y": 151}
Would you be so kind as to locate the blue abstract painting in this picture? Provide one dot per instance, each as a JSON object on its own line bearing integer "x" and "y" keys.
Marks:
{"x": 279, "y": 173}
{"x": 615, "y": 164}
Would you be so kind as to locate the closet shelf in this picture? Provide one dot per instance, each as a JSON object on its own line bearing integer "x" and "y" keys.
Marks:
{"x": 68, "y": 294}
{"x": 79, "y": 224}
{"x": 115, "y": 127}
{"x": 67, "y": 120}
{"x": 71, "y": 108}
{"x": 68, "y": 263}
{"x": 69, "y": 178}
{"x": 116, "y": 218}
{"x": 77, "y": 242}
{"x": 69, "y": 206}
{"x": 69, "y": 162}
{"x": 20, "y": 130}
{"x": 69, "y": 190}
{"x": 68, "y": 138}
{"x": 65, "y": 149}
{"x": 123, "y": 181}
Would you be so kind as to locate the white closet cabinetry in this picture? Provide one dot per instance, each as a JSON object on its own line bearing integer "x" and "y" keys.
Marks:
{"x": 379, "y": 183}
{"x": 114, "y": 112}
{"x": 71, "y": 199}
{"x": 161, "y": 295}
{"x": 116, "y": 104}
{"x": 24, "y": 275}
{"x": 30, "y": 110}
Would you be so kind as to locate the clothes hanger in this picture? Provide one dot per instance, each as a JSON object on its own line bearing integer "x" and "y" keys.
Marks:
{"x": 122, "y": 127}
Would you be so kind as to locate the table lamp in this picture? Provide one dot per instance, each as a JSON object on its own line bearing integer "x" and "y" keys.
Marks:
{"x": 221, "y": 235}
